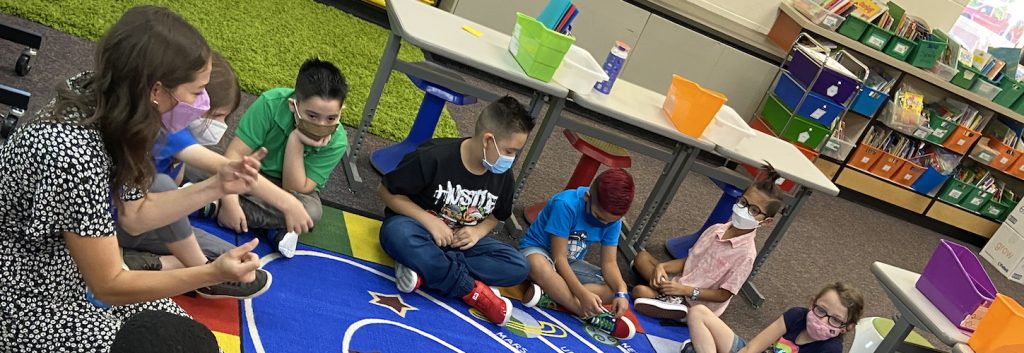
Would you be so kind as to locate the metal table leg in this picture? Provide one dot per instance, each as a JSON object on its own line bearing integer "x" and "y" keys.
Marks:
{"x": 387, "y": 63}
{"x": 683, "y": 157}
{"x": 536, "y": 102}
{"x": 788, "y": 216}
{"x": 533, "y": 154}
{"x": 895, "y": 337}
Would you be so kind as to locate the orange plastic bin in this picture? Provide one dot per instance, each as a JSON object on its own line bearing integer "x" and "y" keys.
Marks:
{"x": 961, "y": 140}
{"x": 908, "y": 173}
{"x": 886, "y": 166}
{"x": 1006, "y": 157}
{"x": 690, "y": 106}
{"x": 1000, "y": 330}
{"x": 865, "y": 157}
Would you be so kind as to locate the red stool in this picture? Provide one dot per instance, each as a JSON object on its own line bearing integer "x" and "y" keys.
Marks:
{"x": 595, "y": 153}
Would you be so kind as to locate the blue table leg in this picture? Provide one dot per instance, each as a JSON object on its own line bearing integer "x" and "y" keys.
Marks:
{"x": 679, "y": 247}
{"x": 386, "y": 159}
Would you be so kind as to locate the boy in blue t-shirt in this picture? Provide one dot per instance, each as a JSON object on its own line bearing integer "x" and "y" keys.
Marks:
{"x": 556, "y": 242}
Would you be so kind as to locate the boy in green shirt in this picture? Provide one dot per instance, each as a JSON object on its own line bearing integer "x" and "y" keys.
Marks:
{"x": 299, "y": 128}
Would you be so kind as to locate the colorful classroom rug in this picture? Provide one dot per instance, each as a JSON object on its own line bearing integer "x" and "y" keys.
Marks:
{"x": 338, "y": 295}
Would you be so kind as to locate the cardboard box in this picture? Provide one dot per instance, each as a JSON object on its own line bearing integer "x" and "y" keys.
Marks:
{"x": 1005, "y": 251}
{"x": 1016, "y": 218}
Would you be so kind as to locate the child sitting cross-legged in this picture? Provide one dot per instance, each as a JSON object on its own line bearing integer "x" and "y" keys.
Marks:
{"x": 556, "y": 242}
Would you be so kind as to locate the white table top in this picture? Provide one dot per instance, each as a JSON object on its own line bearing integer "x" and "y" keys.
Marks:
{"x": 901, "y": 284}
{"x": 784, "y": 157}
{"x": 637, "y": 106}
{"x": 441, "y": 32}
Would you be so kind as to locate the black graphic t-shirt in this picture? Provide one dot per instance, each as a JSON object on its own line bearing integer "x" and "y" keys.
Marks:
{"x": 434, "y": 178}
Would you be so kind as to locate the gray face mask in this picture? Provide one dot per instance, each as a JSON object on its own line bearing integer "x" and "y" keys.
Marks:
{"x": 207, "y": 131}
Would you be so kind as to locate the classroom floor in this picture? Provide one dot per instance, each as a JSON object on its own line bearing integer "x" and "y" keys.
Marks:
{"x": 832, "y": 239}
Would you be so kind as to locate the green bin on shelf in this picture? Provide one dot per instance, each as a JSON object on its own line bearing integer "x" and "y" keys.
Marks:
{"x": 941, "y": 128}
{"x": 966, "y": 77}
{"x": 927, "y": 51}
{"x": 537, "y": 49}
{"x": 1012, "y": 90}
{"x": 853, "y": 27}
{"x": 899, "y": 48}
{"x": 875, "y": 37}
{"x": 997, "y": 210}
{"x": 955, "y": 191}
{"x": 1018, "y": 106}
{"x": 975, "y": 199}
{"x": 801, "y": 130}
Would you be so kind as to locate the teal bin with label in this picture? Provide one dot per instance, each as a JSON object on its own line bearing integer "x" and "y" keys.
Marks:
{"x": 1012, "y": 90}
{"x": 975, "y": 199}
{"x": 875, "y": 37}
{"x": 899, "y": 48}
{"x": 966, "y": 77}
{"x": 927, "y": 51}
{"x": 955, "y": 191}
{"x": 853, "y": 27}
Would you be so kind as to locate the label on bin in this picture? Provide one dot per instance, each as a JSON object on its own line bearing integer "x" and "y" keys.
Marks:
{"x": 955, "y": 193}
{"x": 804, "y": 136}
{"x": 876, "y": 41}
{"x": 829, "y": 21}
{"x": 968, "y": 75}
{"x": 886, "y": 167}
{"x": 939, "y": 132}
{"x": 818, "y": 113}
{"x": 832, "y": 145}
{"x": 906, "y": 176}
{"x": 900, "y": 48}
{"x": 976, "y": 201}
{"x": 1003, "y": 160}
{"x": 960, "y": 142}
{"x": 832, "y": 90}
{"x": 920, "y": 133}
{"x": 865, "y": 160}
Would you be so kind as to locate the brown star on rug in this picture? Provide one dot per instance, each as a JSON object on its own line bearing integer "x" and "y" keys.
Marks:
{"x": 391, "y": 301}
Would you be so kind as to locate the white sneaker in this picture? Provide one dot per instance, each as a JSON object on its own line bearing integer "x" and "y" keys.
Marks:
{"x": 661, "y": 309}
{"x": 406, "y": 279}
{"x": 288, "y": 243}
{"x": 532, "y": 295}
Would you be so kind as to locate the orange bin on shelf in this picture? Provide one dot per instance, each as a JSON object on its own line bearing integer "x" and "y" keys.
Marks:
{"x": 886, "y": 166}
{"x": 961, "y": 139}
{"x": 908, "y": 173}
{"x": 864, "y": 157}
{"x": 690, "y": 106}
{"x": 1017, "y": 169}
{"x": 1000, "y": 330}
{"x": 1006, "y": 156}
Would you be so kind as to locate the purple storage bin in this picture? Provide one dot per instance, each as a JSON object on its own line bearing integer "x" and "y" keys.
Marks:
{"x": 815, "y": 107}
{"x": 955, "y": 282}
{"x": 831, "y": 84}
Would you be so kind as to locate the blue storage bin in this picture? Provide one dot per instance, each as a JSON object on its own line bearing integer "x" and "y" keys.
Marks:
{"x": 930, "y": 180}
{"x": 831, "y": 84}
{"x": 868, "y": 101}
{"x": 816, "y": 108}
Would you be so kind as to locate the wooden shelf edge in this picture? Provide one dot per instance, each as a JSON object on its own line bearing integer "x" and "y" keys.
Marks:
{"x": 963, "y": 219}
{"x": 871, "y": 185}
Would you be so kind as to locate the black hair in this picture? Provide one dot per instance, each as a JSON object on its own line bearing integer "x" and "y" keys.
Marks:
{"x": 504, "y": 117}
{"x": 152, "y": 331}
{"x": 320, "y": 78}
{"x": 765, "y": 183}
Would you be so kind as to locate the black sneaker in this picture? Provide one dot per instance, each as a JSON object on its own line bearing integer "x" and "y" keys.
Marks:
{"x": 141, "y": 260}
{"x": 210, "y": 210}
{"x": 239, "y": 290}
{"x": 687, "y": 347}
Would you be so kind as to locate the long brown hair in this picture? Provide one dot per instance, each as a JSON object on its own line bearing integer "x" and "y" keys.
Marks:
{"x": 223, "y": 88}
{"x": 148, "y": 44}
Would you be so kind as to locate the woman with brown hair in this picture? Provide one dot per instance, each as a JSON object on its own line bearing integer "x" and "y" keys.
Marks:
{"x": 86, "y": 151}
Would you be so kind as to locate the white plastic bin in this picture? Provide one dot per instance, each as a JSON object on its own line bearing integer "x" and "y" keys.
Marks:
{"x": 837, "y": 148}
{"x": 818, "y": 14}
{"x": 985, "y": 89}
{"x": 944, "y": 71}
{"x": 727, "y": 129}
{"x": 579, "y": 71}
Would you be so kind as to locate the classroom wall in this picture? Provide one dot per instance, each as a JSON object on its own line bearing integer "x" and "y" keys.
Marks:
{"x": 760, "y": 14}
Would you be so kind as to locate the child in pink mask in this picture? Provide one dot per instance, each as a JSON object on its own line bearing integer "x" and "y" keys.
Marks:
{"x": 814, "y": 329}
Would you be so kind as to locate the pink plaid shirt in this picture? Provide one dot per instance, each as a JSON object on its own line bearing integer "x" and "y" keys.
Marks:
{"x": 717, "y": 263}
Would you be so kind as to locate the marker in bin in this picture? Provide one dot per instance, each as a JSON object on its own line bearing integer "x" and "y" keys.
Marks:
{"x": 612, "y": 66}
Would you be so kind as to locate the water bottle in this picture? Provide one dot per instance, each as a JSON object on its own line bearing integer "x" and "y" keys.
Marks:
{"x": 612, "y": 66}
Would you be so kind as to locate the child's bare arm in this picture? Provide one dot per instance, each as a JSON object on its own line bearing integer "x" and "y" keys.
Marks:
{"x": 766, "y": 338}
{"x": 674, "y": 266}
{"x": 610, "y": 269}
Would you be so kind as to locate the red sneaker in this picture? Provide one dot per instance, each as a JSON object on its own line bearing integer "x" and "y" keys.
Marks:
{"x": 497, "y": 309}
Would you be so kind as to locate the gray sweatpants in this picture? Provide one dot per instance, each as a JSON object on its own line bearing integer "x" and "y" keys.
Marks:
{"x": 155, "y": 241}
{"x": 260, "y": 214}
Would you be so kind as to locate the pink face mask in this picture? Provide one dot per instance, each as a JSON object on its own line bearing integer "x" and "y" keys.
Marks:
{"x": 819, "y": 330}
{"x": 183, "y": 113}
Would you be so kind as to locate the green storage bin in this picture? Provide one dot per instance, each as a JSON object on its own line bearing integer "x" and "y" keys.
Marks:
{"x": 537, "y": 49}
{"x": 1012, "y": 90}
{"x": 899, "y": 48}
{"x": 1018, "y": 106}
{"x": 927, "y": 51}
{"x": 997, "y": 210}
{"x": 955, "y": 191}
{"x": 966, "y": 77}
{"x": 941, "y": 128}
{"x": 853, "y": 27}
{"x": 975, "y": 199}
{"x": 801, "y": 130}
{"x": 875, "y": 37}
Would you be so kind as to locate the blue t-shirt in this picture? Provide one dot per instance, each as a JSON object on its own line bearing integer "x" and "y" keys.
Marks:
{"x": 566, "y": 215}
{"x": 796, "y": 322}
{"x": 169, "y": 145}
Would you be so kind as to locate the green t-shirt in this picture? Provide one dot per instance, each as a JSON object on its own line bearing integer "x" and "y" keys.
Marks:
{"x": 268, "y": 122}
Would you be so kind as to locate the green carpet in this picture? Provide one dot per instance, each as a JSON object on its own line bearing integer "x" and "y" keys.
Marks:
{"x": 266, "y": 41}
{"x": 330, "y": 234}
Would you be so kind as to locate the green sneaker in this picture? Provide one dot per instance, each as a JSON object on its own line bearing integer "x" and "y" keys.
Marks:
{"x": 622, "y": 329}
{"x": 535, "y": 297}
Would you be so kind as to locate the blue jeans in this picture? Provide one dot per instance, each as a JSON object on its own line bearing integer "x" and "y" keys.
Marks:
{"x": 585, "y": 271}
{"x": 451, "y": 271}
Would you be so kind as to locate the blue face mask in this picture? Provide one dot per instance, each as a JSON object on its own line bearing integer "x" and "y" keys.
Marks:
{"x": 503, "y": 163}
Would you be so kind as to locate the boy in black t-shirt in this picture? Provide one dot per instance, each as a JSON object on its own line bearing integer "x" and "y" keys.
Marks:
{"x": 444, "y": 198}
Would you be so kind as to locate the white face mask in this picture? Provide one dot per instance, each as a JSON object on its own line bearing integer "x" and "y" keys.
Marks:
{"x": 207, "y": 131}
{"x": 741, "y": 218}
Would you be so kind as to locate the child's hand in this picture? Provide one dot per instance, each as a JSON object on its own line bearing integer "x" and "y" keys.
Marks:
{"x": 590, "y": 304}
{"x": 619, "y": 307}
{"x": 443, "y": 236}
{"x": 231, "y": 216}
{"x": 466, "y": 237}
{"x": 660, "y": 276}
{"x": 239, "y": 177}
{"x": 296, "y": 219}
{"x": 674, "y": 288}
{"x": 238, "y": 264}
{"x": 311, "y": 142}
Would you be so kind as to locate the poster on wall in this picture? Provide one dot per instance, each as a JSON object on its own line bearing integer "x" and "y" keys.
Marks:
{"x": 990, "y": 23}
